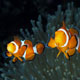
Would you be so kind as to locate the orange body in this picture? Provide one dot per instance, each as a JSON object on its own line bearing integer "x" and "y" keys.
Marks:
{"x": 29, "y": 53}
{"x": 27, "y": 47}
{"x": 24, "y": 49}
{"x": 65, "y": 41}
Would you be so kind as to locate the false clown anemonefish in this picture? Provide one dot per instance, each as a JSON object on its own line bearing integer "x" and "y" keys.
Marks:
{"x": 23, "y": 48}
{"x": 66, "y": 41}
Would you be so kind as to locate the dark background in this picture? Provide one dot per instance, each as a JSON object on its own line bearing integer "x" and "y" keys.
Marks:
{"x": 16, "y": 14}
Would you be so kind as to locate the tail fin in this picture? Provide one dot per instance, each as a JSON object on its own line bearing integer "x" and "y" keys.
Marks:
{"x": 45, "y": 43}
{"x": 40, "y": 48}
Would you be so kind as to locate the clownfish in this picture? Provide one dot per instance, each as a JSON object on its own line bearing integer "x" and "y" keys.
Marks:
{"x": 23, "y": 48}
{"x": 66, "y": 41}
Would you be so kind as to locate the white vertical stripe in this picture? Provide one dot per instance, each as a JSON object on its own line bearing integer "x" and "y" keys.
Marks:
{"x": 35, "y": 49}
{"x": 67, "y": 37}
{"x": 77, "y": 44}
{"x": 24, "y": 54}
{"x": 16, "y": 47}
{"x": 22, "y": 42}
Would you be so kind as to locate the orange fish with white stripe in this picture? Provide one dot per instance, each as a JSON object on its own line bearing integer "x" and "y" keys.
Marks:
{"x": 24, "y": 49}
{"x": 66, "y": 41}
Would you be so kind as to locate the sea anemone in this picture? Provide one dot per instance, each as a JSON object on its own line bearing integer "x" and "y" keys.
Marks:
{"x": 47, "y": 66}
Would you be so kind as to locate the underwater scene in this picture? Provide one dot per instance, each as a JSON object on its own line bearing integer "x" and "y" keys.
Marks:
{"x": 40, "y": 40}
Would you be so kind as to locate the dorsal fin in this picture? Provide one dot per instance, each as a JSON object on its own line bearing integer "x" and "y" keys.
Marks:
{"x": 73, "y": 31}
{"x": 16, "y": 38}
{"x": 63, "y": 25}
